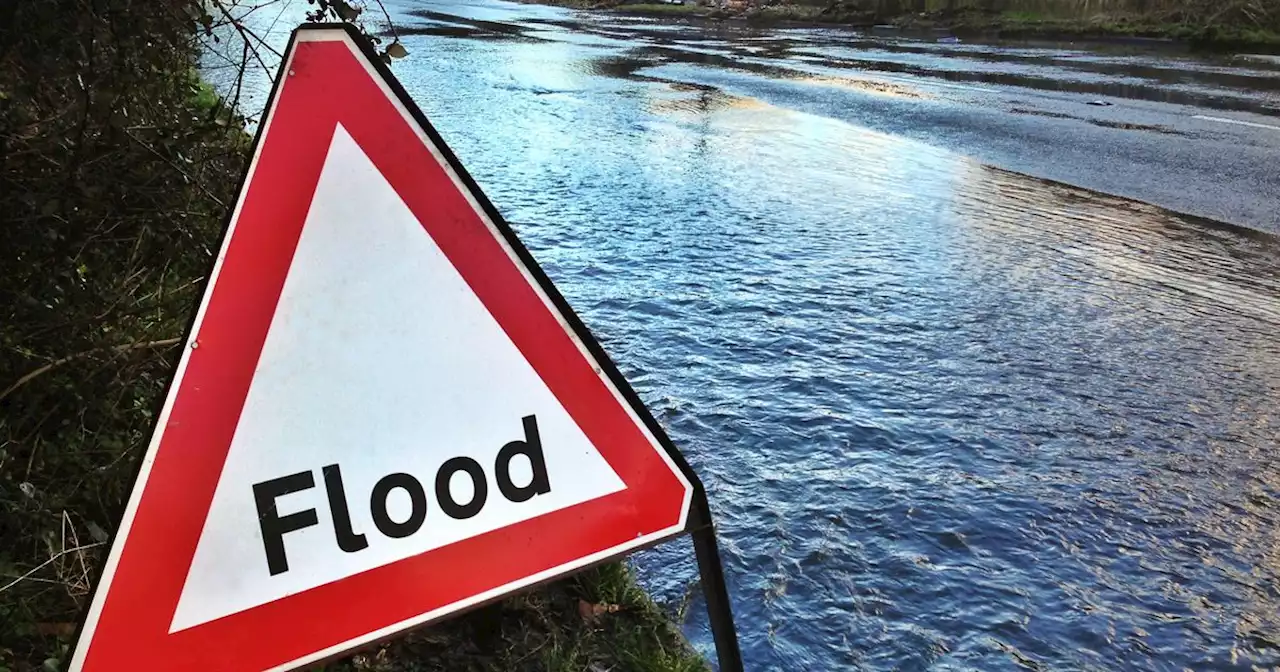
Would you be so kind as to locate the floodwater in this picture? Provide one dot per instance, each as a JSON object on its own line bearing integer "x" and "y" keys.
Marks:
{"x": 949, "y": 416}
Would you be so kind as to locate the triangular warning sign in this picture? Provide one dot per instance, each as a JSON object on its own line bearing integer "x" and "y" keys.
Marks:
{"x": 385, "y": 413}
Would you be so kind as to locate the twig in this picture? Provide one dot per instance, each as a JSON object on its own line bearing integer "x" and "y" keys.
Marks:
{"x": 70, "y": 358}
{"x": 244, "y": 63}
{"x": 83, "y": 579}
{"x": 245, "y": 34}
{"x": 158, "y": 295}
{"x": 390, "y": 24}
{"x": 191, "y": 180}
{"x": 44, "y": 564}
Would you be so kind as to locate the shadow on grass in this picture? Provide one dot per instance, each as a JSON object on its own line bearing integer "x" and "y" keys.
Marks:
{"x": 594, "y": 621}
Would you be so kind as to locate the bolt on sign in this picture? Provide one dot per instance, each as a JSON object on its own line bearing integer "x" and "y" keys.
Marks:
{"x": 384, "y": 414}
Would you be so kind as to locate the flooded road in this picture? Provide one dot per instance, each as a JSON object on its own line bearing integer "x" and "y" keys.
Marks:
{"x": 950, "y": 416}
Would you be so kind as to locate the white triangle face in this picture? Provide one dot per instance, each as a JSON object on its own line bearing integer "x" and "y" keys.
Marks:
{"x": 381, "y": 360}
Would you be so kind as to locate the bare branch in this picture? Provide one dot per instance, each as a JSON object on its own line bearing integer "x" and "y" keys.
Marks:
{"x": 46, "y": 563}
{"x": 194, "y": 182}
{"x": 390, "y": 24}
{"x": 79, "y": 355}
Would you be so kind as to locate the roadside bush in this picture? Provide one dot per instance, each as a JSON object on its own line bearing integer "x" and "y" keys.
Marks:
{"x": 117, "y": 166}
{"x": 115, "y": 169}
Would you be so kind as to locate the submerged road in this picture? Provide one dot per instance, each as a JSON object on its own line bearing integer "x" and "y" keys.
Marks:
{"x": 1196, "y": 136}
{"x": 950, "y": 415}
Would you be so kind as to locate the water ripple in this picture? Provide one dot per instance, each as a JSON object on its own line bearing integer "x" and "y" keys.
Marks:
{"x": 950, "y": 417}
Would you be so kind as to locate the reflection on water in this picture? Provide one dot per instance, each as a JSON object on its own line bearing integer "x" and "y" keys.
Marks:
{"x": 1127, "y": 245}
{"x": 1188, "y": 86}
{"x": 963, "y": 417}
{"x": 948, "y": 415}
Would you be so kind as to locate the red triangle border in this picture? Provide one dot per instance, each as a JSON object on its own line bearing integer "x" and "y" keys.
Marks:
{"x": 330, "y": 76}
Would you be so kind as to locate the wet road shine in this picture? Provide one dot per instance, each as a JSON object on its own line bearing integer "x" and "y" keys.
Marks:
{"x": 950, "y": 416}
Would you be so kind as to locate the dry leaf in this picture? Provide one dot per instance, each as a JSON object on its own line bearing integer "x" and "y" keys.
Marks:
{"x": 590, "y": 612}
{"x": 56, "y": 629}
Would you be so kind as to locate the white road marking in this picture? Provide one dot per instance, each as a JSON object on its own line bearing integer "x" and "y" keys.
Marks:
{"x": 1236, "y": 122}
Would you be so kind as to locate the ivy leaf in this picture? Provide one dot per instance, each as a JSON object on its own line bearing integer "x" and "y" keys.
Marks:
{"x": 345, "y": 11}
{"x": 99, "y": 535}
{"x": 397, "y": 50}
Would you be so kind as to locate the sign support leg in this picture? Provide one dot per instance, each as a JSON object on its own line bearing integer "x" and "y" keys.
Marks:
{"x": 713, "y": 587}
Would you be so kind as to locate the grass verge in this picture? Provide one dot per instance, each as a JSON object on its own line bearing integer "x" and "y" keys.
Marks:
{"x": 598, "y": 620}
{"x": 662, "y": 9}
{"x": 1012, "y": 24}
{"x": 968, "y": 21}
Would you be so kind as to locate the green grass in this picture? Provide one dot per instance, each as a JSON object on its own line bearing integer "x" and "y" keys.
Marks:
{"x": 781, "y": 13}
{"x": 1022, "y": 16}
{"x": 1071, "y": 19}
{"x": 1234, "y": 37}
{"x": 203, "y": 96}
{"x": 661, "y": 8}
{"x": 545, "y": 630}
{"x": 1031, "y": 23}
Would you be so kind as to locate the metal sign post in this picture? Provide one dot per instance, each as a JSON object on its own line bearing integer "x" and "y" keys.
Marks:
{"x": 714, "y": 590}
